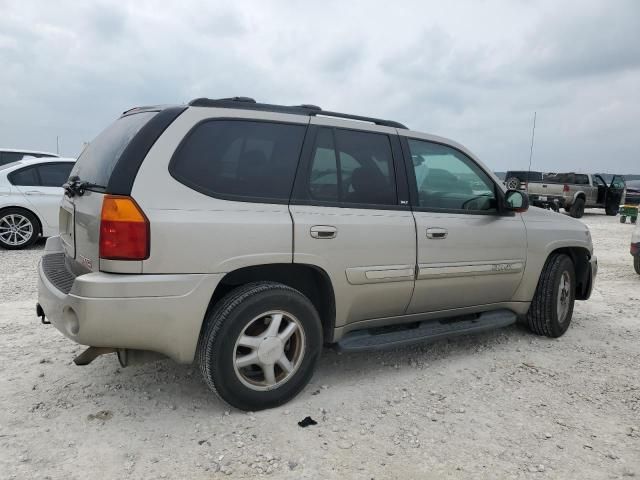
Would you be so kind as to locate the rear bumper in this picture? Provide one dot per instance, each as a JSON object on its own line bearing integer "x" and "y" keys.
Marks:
{"x": 547, "y": 201}
{"x": 160, "y": 313}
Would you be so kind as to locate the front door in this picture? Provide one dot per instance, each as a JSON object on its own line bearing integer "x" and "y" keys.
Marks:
{"x": 469, "y": 254}
{"x": 349, "y": 221}
{"x": 616, "y": 193}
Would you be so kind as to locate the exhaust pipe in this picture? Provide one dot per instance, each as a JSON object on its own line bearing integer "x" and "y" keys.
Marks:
{"x": 127, "y": 356}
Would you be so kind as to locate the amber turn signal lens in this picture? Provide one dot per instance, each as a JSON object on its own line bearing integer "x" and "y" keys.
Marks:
{"x": 124, "y": 229}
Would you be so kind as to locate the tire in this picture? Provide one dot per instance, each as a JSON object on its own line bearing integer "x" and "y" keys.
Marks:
{"x": 623, "y": 219}
{"x": 634, "y": 220}
{"x": 611, "y": 210}
{"x": 247, "y": 312}
{"x": 636, "y": 263}
{"x": 577, "y": 209}
{"x": 512, "y": 183}
{"x": 19, "y": 228}
{"x": 552, "y": 306}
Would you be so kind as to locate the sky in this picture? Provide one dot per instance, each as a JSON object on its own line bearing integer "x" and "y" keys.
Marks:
{"x": 471, "y": 70}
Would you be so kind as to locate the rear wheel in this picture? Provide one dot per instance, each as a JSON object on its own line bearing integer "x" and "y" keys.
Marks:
{"x": 260, "y": 345}
{"x": 636, "y": 263}
{"x": 513, "y": 183}
{"x": 552, "y": 306}
{"x": 18, "y": 228}
{"x": 634, "y": 219}
{"x": 623, "y": 219}
{"x": 577, "y": 209}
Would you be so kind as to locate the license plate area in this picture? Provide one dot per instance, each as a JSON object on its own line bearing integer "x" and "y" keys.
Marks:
{"x": 67, "y": 227}
{"x": 542, "y": 198}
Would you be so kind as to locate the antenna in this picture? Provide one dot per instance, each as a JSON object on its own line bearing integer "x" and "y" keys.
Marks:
{"x": 533, "y": 134}
{"x": 57, "y": 145}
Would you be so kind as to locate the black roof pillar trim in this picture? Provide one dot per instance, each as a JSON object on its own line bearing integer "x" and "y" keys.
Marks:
{"x": 126, "y": 169}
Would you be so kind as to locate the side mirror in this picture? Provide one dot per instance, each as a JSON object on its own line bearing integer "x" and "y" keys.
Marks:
{"x": 516, "y": 201}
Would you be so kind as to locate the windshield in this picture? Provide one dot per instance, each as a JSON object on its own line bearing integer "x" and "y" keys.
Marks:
{"x": 98, "y": 159}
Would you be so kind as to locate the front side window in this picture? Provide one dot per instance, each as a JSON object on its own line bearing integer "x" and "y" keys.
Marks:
{"x": 54, "y": 174}
{"x": 241, "y": 159}
{"x": 25, "y": 177}
{"x": 352, "y": 167}
{"x": 446, "y": 179}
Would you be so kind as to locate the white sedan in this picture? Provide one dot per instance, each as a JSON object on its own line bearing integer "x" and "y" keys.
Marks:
{"x": 30, "y": 195}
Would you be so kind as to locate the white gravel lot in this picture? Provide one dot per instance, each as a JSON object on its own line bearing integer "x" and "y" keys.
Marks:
{"x": 505, "y": 404}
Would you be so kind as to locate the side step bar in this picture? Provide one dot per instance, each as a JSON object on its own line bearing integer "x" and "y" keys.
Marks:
{"x": 423, "y": 332}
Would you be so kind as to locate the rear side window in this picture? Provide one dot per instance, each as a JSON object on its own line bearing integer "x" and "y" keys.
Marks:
{"x": 54, "y": 174}
{"x": 240, "y": 159}
{"x": 10, "y": 157}
{"x": 24, "y": 177}
{"x": 352, "y": 167}
{"x": 582, "y": 179}
{"x": 99, "y": 158}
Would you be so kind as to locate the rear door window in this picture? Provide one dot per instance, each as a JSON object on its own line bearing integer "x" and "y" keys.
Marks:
{"x": 352, "y": 167}
{"x": 99, "y": 158}
{"x": 25, "y": 177}
{"x": 10, "y": 157}
{"x": 54, "y": 174}
{"x": 240, "y": 159}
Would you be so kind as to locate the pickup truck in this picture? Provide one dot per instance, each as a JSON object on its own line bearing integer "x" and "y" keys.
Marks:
{"x": 576, "y": 191}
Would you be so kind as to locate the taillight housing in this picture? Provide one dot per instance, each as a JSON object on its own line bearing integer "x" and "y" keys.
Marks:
{"x": 124, "y": 229}
{"x": 565, "y": 188}
{"x": 635, "y": 249}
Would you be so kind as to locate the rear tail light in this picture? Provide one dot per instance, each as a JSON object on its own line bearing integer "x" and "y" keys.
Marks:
{"x": 124, "y": 229}
{"x": 635, "y": 249}
{"x": 565, "y": 188}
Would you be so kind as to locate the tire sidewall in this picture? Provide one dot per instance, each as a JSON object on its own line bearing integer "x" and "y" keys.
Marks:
{"x": 636, "y": 263}
{"x": 557, "y": 327}
{"x": 223, "y": 374}
{"x": 34, "y": 227}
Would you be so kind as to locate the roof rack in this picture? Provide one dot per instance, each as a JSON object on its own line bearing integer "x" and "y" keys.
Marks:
{"x": 305, "y": 109}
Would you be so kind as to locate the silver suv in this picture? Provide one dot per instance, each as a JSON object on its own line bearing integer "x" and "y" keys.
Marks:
{"x": 244, "y": 236}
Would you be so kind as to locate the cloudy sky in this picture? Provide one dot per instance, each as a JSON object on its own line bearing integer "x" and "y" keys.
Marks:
{"x": 474, "y": 71}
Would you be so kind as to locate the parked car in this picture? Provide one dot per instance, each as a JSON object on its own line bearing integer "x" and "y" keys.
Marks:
{"x": 8, "y": 155}
{"x": 633, "y": 192}
{"x": 576, "y": 191}
{"x": 635, "y": 248}
{"x": 519, "y": 179}
{"x": 30, "y": 195}
{"x": 244, "y": 236}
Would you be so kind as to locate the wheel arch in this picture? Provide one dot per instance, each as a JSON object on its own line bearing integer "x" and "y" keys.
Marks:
{"x": 578, "y": 195}
{"x": 310, "y": 280}
{"x": 580, "y": 257}
{"x": 25, "y": 209}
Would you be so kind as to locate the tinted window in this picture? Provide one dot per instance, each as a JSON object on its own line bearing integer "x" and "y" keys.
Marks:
{"x": 582, "y": 179}
{"x": 24, "y": 177}
{"x": 98, "y": 159}
{"x": 361, "y": 172}
{"x": 54, "y": 174}
{"x": 10, "y": 157}
{"x": 569, "y": 178}
{"x": 448, "y": 179}
{"x": 599, "y": 182}
{"x": 238, "y": 158}
{"x": 524, "y": 176}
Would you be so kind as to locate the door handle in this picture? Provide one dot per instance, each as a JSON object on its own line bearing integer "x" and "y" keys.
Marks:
{"x": 32, "y": 192}
{"x": 323, "y": 231}
{"x": 437, "y": 233}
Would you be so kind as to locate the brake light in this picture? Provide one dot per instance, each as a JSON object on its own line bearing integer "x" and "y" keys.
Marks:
{"x": 565, "y": 188}
{"x": 635, "y": 249}
{"x": 124, "y": 229}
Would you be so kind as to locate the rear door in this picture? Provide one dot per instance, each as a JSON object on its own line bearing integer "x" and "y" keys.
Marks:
{"x": 80, "y": 214}
{"x": 616, "y": 193}
{"x": 468, "y": 253}
{"x": 353, "y": 220}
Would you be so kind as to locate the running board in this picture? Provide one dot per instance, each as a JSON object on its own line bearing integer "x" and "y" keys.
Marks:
{"x": 423, "y": 332}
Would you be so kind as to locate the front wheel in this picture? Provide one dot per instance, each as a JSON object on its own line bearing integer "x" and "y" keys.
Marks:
{"x": 552, "y": 306}
{"x": 611, "y": 210}
{"x": 623, "y": 219}
{"x": 636, "y": 263}
{"x": 260, "y": 345}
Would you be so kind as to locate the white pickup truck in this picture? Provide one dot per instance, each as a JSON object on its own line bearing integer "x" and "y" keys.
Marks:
{"x": 576, "y": 191}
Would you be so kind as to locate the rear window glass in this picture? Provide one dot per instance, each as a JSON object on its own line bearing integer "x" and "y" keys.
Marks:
{"x": 54, "y": 174}
{"x": 240, "y": 159}
{"x": 98, "y": 159}
{"x": 569, "y": 178}
{"x": 524, "y": 176}
{"x": 24, "y": 177}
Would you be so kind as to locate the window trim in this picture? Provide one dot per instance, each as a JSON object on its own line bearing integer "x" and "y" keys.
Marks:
{"x": 413, "y": 184}
{"x": 300, "y": 194}
{"x": 231, "y": 197}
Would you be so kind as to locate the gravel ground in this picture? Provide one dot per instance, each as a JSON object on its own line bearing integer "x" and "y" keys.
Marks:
{"x": 505, "y": 404}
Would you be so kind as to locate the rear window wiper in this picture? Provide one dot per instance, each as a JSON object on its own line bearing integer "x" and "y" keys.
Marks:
{"x": 75, "y": 186}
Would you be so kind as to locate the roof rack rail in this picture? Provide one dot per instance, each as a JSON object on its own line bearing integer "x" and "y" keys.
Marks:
{"x": 304, "y": 109}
